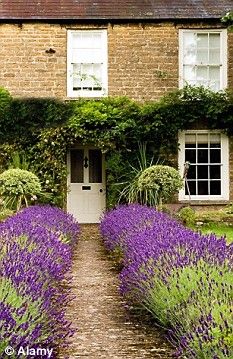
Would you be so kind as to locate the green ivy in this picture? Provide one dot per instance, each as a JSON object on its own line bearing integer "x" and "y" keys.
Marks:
{"x": 26, "y": 117}
{"x": 228, "y": 20}
{"x": 45, "y": 128}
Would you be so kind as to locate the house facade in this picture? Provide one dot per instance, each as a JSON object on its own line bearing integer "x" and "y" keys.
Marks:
{"x": 139, "y": 49}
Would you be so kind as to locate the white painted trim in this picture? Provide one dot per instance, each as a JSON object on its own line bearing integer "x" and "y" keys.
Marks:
{"x": 83, "y": 93}
{"x": 223, "y": 54}
{"x": 224, "y": 169}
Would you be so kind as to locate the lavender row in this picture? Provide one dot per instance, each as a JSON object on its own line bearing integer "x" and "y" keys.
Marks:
{"x": 35, "y": 254}
{"x": 182, "y": 277}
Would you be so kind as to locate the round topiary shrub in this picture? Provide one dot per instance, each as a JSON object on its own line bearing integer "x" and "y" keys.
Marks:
{"x": 188, "y": 216}
{"x": 18, "y": 187}
{"x": 165, "y": 181}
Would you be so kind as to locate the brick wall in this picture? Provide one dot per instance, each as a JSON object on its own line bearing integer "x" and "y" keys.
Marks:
{"x": 143, "y": 59}
{"x": 26, "y": 69}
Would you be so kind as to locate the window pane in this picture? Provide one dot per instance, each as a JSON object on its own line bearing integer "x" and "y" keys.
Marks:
{"x": 189, "y": 40}
{"x": 214, "y": 56}
{"x": 214, "y": 40}
{"x": 86, "y": 56}
{"x": 190, "y": 139}
{"x": 192, "y": 172}
{"x": 202, "y": 73}
{"x": 202, "y": 40}
{"x": 76, "y": 163}
{"x": 97, "y": 76}
{"x": 202, "y": 188}
{"x": 202, "y": 139}
{"x": 214, "y": 74}
{"x": 189, "y": 48}
{"x": 202, "y": 172}
{"x": 202, "y": 56}
{"x": 95, "y": 166}
{"x": 77, "y": 76}
{"x": 76, "y": 39}
{"x": 190, "y": 156}
{"x": 215, "y": 140}
{"x": 189, "y": 73}
{"x": 87, "y": 76}
{"x": 215, "y": 156}
{"x": 215, "y": 187}
{"x": 215, "y": 172}
{"x": 202, "y": 156}
{"x": 96, "y": 40}
{"x": 192, "y": 187}
{"x": 86, "y": 40}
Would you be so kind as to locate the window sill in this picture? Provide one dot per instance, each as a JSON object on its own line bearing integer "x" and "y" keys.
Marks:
{"x": 75, "y": 98}
{"x": 209, "y": 202}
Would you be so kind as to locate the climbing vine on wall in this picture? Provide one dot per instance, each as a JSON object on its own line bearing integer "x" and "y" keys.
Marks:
{"x": 45, "y": 128}
{"x": 227, "y": 19}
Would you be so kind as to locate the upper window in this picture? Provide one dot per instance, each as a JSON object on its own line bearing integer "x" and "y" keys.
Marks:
{"x": 203, "y": 160}
{"x": 87, "y": 63}
{"x": 203, "y": 58}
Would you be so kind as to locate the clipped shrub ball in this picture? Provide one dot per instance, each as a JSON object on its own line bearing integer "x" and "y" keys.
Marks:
{"x": 164, "y": 180}
{"x": 18, "y": 187}
{"x": 187, "y": 215}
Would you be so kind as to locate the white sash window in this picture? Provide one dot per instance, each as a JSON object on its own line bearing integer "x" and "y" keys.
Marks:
{"x": 203, "y": 58}
{"x": 207, "y": 156}
{"x": 87, "y": 63}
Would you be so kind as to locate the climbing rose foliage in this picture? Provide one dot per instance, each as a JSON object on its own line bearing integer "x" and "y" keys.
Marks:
{"x": 182, "y": 277}
{"x": 35, "y": 254}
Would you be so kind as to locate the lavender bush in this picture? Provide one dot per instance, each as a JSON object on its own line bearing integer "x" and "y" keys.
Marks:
{"x": 183, "y": 278}
{"x": 35, "y": 253}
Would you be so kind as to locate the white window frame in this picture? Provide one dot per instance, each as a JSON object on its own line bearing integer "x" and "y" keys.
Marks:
{"x": 223, "y": 54}
{"x": 224, "y": 168}
{"x": 85, "y": 93}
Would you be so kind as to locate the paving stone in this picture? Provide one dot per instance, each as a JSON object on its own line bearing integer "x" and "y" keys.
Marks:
{"x": 105, "y": 328}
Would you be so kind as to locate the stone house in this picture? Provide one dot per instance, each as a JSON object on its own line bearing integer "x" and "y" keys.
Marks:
{"x": 139, "y": 48}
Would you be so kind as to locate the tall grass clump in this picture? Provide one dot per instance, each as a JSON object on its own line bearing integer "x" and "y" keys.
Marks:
{"x": 35, "y": 254}
{"x": 184, "y": 279}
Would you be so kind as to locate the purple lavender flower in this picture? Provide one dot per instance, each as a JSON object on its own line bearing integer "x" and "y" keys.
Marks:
{"x": 35, "y": 254}
{"x": 178, "y": 275}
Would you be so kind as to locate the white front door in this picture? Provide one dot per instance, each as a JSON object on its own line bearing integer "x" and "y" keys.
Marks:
{"x": 86, "y": 184}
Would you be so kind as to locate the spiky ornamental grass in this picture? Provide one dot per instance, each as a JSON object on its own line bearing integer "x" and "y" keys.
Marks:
{"x": 35, "y": 253}
{"x": 183, "y": 278}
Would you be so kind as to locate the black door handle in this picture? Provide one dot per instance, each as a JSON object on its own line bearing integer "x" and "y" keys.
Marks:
{"x": 101, "y": 190}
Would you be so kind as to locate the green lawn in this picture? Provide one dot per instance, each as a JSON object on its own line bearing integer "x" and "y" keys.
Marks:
{"x": 219, "y": 229}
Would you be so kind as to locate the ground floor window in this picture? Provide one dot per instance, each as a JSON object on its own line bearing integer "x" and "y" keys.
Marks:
{"x": 204, "y": 164}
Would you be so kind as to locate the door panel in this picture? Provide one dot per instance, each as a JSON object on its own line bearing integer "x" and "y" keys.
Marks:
{"x": 95, "y": 166}
{"x": 76, "y": 166}
{"x": 86, "y": 182}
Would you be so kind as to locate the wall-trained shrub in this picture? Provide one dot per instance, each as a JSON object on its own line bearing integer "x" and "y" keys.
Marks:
{"x": 182, "y": 277}
{"x": 35, "y": 253}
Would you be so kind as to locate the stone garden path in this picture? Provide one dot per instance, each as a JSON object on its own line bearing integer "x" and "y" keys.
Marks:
{"x": 105, "y": 327}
